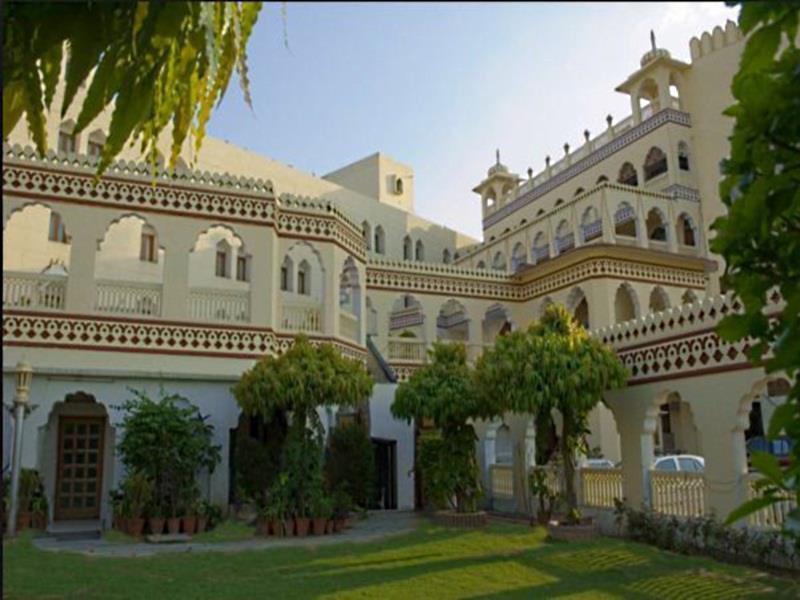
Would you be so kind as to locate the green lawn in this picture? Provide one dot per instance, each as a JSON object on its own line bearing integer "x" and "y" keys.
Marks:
{"x": 430, "y": 563}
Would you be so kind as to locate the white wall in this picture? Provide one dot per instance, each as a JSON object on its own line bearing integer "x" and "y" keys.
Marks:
{"x": 383, "y": 425}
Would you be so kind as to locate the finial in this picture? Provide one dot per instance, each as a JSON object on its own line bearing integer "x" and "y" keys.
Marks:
{"x": 547, "y": 160}
{"x": 497, "y": 155}
{"x": 586, "y": 134}
{"x": 609, "y": 118}
{"x": 530, "y": 173}
{"x": 652, "y": 39}
{"x": 566, "y": 148}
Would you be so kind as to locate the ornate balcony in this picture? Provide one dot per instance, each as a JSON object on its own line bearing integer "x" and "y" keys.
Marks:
{"x": 34, "y": 291}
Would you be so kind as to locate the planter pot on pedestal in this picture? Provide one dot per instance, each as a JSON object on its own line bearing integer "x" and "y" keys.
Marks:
{"x": 155, "y": 525}
{"x": 302, "y": 525}
{"x": 135, "y": 527}
{"x": 174, "y": 525}
{"x": 319, "y": 525}
{"x": 189, "y": 525}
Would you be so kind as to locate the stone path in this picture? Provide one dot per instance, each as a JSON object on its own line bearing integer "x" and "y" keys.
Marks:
{"x": 377, "y": 525}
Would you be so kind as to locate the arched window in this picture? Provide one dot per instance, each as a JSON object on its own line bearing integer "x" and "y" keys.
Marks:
{"x": 242, "y": 266}
{"x": 518, "y": 257}
{"x": 480, "y": 265}
{"x": 540, "y": 212}
{"x": 398, "y": 184}
{"x": 581, "y": 314}
{"x": 683, "y": 156}
{"x": 456, "y": 256}
{"x": 655, "y": 163}
{"x": 689, "y": 297}
{"x": 503, "y": 454}
{"x": 656, "y": 226}
{"x": 686, "y": 230}
{"x": 407, "y": 248}
{"x": 627, "y": 175}
{"x": 446, "y": 256}
{"x": 625, "y": 304}
{"x": 367, "y": 234}
{"x": 578, "y": 192}
{"x": 490, "y": 200}
{"x": 591, "y": 224}
{"x": 499, "y": 262}
{"x": 601, "y": 179}
{"x": 148, "y": 250}
{"x": 559, "y": 202}
{"x": 419, "y": 251}
{"x": 541, "y": 249}
{"x": 380, "y": 241}
{"x": 565, "y": 238}
{"x": 625, "y": 221}
{"x": 287, "y": 270}
{"x": 223, "y": 252}
{"x": 94, "y": 146}
{"x": 67, "y": 140}
{"x": 304, "y": 278}
{"x": 57, "y": 232}
{"x": 658, "y": 300}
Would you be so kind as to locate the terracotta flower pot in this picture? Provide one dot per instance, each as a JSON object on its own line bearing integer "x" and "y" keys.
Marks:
{"x": 302, "y": 525}
{"x": 23, "y": 520}
{"x": 276, "y": 528}
{"x": 189, "y": 524}
{"x": 174, "y": 525}
{"x": 135, "y": 527}
{"x": 319, "y": 525}
{"x": 329, "y": 527}
{"x": 155, "y": 525}
{"x": 201, "y": 524}
{"x": 288, "y": 527}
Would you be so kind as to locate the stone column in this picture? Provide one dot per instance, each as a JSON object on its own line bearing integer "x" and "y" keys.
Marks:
{"x": 86, "y": 235}
{"x": 262, "y": 246}
{"x": 641, "y": 222}
{"x": 178, "y": 244}
{"x": 636, "y": 421}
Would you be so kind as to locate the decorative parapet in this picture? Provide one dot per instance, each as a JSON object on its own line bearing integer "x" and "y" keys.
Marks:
{"x": 109, "y": 334}
{"x": 680, "y": 341}
{"x": 668, "y": 115}
{"x": 676, "y": 190}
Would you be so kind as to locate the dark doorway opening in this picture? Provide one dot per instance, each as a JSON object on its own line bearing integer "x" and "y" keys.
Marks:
{"x": 386, "y": 474}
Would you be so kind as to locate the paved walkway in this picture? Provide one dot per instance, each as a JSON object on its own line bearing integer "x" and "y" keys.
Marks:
{"x": 377, "y": 525}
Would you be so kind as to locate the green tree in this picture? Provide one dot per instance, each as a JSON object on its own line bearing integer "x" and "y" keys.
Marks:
{"x": 554, "y": 364}
{"x": 759, "y": 237}
{"x": 444, "y": 391}
{"x": 297, "y": 382}
{"x": 160, "y": 63}
{"x": 350, "y": 463}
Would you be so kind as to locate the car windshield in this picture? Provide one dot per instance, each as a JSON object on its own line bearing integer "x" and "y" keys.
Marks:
{"x": 666, "y": 464}
{"x": 690, "y": 464}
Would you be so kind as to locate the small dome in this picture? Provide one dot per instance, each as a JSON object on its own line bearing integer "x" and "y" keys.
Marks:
{"x": 653, "y": 54}
{"x": 497, "y": 168}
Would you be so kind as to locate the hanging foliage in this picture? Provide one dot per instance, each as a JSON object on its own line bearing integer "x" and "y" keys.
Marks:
{"x": 161, "y": 64}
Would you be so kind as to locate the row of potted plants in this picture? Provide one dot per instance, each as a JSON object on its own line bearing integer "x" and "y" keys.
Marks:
{"x": 138, "y": 510}
{"x": 323, "y": 514}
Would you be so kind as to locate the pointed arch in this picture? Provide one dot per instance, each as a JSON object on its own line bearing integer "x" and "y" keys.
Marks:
{"x": 655, "y": 163}
{"x": 408, "y": 248}
{"x": 625, "y": 221}
{"x": 499, "y": 261}
{"x": 627, "y": 175}
{"x": 591, "y": 224}
{"x": 626, "y": 304}
{"x": 686, "y": 230}
{"x": 659, "y": 300}
{"x": 419, "y": 251}
{"x": 519, "y": 257}
{"x": 380, "y": 240}
{"x": 656, "y": 225}
{"x": 365, "y": 226}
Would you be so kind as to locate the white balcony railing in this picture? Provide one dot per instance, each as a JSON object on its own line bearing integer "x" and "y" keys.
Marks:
{"x": 302, "y": 317}
{"x": 772, "y": 516}
{"x": 600, "y": 486}
{"x": 406, "y": 349}
{"x": 501, "y": 479}
{"x": 230, "y": 306}
{"x": 128, "y": 298}
{"x": 34, "y": 290}
{"x": 677, "y": 493}
{"x": 348, "y": 325}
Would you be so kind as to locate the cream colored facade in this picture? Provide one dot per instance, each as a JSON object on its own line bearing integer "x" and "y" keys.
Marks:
{"x": 187, "y": 283}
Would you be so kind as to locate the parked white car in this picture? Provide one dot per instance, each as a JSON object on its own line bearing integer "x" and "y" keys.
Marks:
{"x": 687, "y": 463}
{"x": 598, "y": 463}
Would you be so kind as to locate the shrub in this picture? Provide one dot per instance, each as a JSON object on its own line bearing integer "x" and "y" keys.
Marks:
{"x": 350, "y": 464}
{"x": 255, "y": 469}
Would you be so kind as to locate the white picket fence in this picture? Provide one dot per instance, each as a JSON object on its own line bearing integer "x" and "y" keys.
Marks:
{"x": 599, "y": 487}
{"x": 682, "y": 494}
{"x": 128, "y": 298}
{"x": 772, "y": 516}
{"x": 207, "y": 304}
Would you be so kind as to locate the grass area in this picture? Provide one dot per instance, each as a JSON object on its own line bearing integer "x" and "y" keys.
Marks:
{"x": 501, "y": 561}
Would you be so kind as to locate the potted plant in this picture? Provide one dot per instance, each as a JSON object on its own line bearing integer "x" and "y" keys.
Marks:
{"x": 39, "y": 508}
{"x": 341, "y": 509}
{"x": 115, "y": 501}
{"x": 155, "y": 520}
{"x": 189, "y": 520}
{"x": 139, "y": 492}
{"x": 29, "y": 482}
{"x": 322, "y": 510}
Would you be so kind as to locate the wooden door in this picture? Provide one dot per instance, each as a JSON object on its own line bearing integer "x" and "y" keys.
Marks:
{"x": 80, "y": 467}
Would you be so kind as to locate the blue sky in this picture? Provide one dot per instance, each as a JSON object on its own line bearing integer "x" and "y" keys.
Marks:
{"x": 439, "y": 86}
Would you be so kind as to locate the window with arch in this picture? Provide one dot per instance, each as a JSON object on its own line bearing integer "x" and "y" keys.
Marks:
{"x": 148, "y": 250}
{"x": 540, "y": 212}
{"x": 518, "y": 257}
{"x": 683, "y": 156}
{"x": 407, "y": 248}
{"x": 578, "y": 192}
{"x": 656, "y": 226}
{"x": 456, "y": 256}
{"x": 624, "y": 304}
{"x": 658, "y": 300}
{"x": 655, "y": 163}
{"x": 67, "y": 140}
{"x": 304, "y": 278}
{"x": 625, "y": 221}
{"x": 581, "y": 313}
{"x": 499, "y": 262}
{"x": 286, "y": 274}
{"x": 367, "y": 234}
{"x": 490, "y": 200}
{"x": 419, "y": 251}
{"x": 541, "y": 249}
{"x": 57, "y": 231}
{"x": 222, "y": 261}
{"x": 559, "y": 202}
{"x": 480, "y": 265}
{"x": 689, "y": 297}
{"x": 398, "y": 184}
{"x": 446, "y": 256}
{"x": 503, "y": 454}
{"x": 591, "y": 224}
{"x": 380, "y": 241}
{"x": 686, "y": 230}
{"x": 565, "y": 238}
{"x": 628, "y": 175}
{"x": 601, "y": 179}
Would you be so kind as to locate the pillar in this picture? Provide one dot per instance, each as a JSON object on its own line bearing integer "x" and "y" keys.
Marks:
{"x": 175, "y": 288}
{"x": 86, "y": 235}
{"x": 636, "y": 420}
